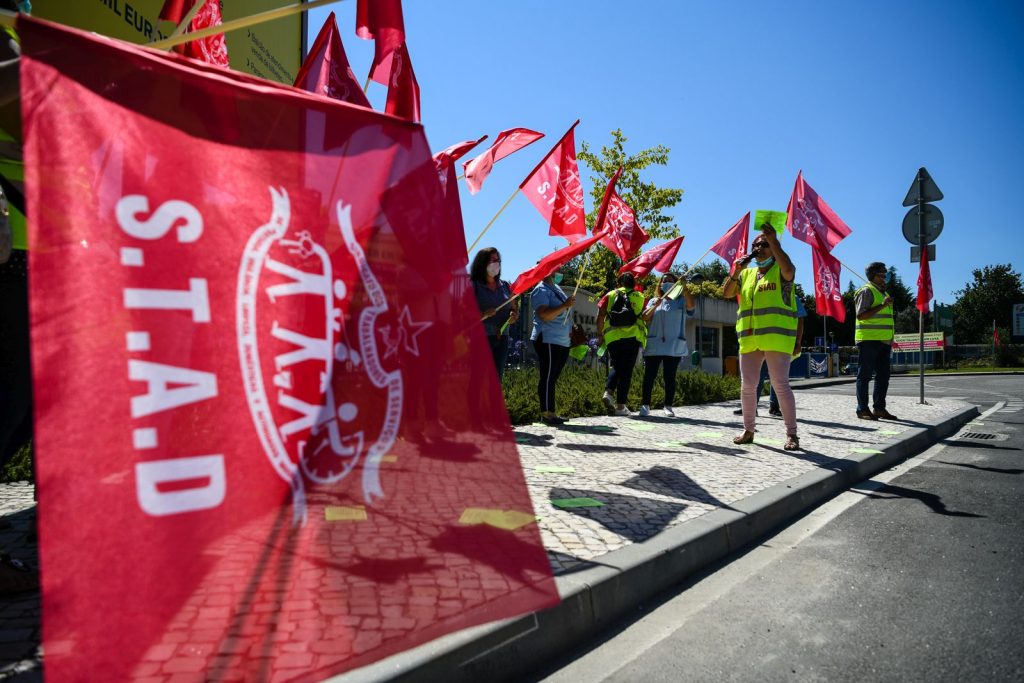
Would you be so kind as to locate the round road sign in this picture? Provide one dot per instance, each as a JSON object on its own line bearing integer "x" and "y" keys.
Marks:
{"x": 933, "y": 222}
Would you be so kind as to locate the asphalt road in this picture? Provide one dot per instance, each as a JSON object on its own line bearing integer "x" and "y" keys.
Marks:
{"x": 915, "y": 575}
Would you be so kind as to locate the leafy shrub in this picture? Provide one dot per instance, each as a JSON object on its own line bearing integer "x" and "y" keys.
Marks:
{"x": 579, "y": 389}
{"x": 19, "y": 467}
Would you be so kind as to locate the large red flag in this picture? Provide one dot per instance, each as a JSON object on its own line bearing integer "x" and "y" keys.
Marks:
{"x": 242, "y": 326}
{"x": 552, "y": 262}
{"x": 660, "y": 259}
{"x": 733, "y": 244}
{"x": 924, "y": 284}
{"x": 507, "y": 142}
{"x": 828, "y": 296}
{"x": 326, "y": 70}
{"x": 403, "y": 89}
{"x": 212, "y": 50}
{"x": 449, "y": 156}
{"x": 382, "y": 22}
{"x": 624, "y": 234}
{"x": 810, "y": 219}
{"x": 554, "y": 188}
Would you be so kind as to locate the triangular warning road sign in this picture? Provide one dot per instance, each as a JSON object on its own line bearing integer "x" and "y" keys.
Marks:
{"x": 925, "y": 191}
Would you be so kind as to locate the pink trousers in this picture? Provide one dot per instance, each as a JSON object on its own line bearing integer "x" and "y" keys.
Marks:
{"x": 778, "y": 373}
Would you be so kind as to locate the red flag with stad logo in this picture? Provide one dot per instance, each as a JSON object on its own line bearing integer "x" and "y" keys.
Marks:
{"x": 733, "y": 244}
{"x": 507, "y": 142}
{"x": 811, "y": 220}
{"x": 403, "y": 90}
{"x": 326, "y": 70}
{"x": 213, "y": 49}
{"x": 252, "y": 336}
{"x": 623, "y": 235}
{"x": 660, "y": 259}
{"x": 924, "y": 284}
{"x": 554, "y": 188}
{"x": 828, "y": 297}
{"x": 382, "y": 22}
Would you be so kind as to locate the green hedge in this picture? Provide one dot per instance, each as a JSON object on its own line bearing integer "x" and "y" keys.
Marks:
{"x": 579, "y": 389}
{"x": 19, "y": 468}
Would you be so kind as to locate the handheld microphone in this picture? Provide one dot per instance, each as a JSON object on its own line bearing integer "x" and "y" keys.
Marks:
{"x": 747, "y": 259}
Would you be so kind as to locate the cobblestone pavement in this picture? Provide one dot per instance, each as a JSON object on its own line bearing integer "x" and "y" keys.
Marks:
{"x": 614, "y": 481}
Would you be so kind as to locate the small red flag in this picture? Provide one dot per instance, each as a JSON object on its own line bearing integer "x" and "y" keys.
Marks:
{"x": 213, "y": 49}
{"x": 660, "y": 259}
{"x": 811, "y": 220}
{"x": 507, "y": 142}
{"x": 733, "y": 244}
{"x": 552, "y": 262}
{"x": 554, "y": 188}
{"x": 924, "y": 284}
{"x": 449, "y": 156}
{"x": 403, "y": 89}
{"x": 995, "y": 335}
{"x": 828, "y": 297}
{"x": 326, "y": 70}
{"x": 624, "y": 236}
{"x": 382, "y": 22}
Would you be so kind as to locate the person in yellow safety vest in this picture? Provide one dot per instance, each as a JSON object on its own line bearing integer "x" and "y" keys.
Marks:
{"x": 766, "y": 326}
{"x": 874, "y": 336}
{"x": 621, "y": 329}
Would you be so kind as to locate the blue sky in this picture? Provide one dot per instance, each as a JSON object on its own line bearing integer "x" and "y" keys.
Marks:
{"x": 745, "y": 94}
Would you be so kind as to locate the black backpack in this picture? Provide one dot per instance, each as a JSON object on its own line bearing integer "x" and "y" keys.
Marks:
{"x": 620, "y": 311}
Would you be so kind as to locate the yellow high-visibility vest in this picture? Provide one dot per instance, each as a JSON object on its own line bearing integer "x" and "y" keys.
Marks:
{"x": 880, "y": 326}
{"x": 765, "y": 320}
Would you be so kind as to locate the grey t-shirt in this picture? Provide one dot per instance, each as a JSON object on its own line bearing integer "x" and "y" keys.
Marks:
{"x": 865, "y": 300}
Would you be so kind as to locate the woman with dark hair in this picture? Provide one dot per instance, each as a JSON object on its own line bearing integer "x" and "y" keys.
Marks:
{"x": 491, "y": 292}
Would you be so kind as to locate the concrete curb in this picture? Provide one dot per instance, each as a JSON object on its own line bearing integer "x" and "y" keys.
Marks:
{"x": 594, "y": 598}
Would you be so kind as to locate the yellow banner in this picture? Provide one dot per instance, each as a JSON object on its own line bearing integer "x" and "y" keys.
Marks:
{"x": 272, "y": 50}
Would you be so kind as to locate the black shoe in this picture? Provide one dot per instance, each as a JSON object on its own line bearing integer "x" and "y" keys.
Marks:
{"x": 777, "y": 412}
{"x": 553, "y": 421}
{"x": 884, "y": 414}
{"x": 739, "y": 411}
{"x": 866, "y": 415}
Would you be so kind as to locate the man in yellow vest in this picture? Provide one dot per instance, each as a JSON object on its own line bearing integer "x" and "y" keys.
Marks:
{"x": 625, "y": 334}
{"x": 874, "y": 335}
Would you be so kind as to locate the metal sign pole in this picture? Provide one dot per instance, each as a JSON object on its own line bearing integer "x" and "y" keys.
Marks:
{"x": 924, "y": 256}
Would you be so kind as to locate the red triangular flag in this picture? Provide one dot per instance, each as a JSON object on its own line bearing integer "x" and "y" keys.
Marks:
{"x": 554, "y": 188}
{"x": 213, "y": 49}
{"x": 924, "y": 284}
{"x": 403, "y": 89}
{"x": 449, "y": 156}
{"x": 507, "y": 142}
{"x": 381, "y": 21}
{"x": 624, "y": 235}
{"x": 828, "y": 296}
{"x": 995, "y": 335}
{"x": 733, "y": 244}
{"x": 811, "y": 220}
{"x": 660, "y": 259}
{"x": 326, "y": 70}
{"x": 552, "y": 262}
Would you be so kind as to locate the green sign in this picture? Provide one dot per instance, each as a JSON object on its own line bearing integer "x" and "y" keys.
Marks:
{"x": 776, "y": 219}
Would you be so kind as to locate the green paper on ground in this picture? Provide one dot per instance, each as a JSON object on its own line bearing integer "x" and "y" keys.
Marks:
{"x": 641, "y": 428}
{"x": 523, "y": 439}
{"x": 867, "y": 450}
{"x": 710, "y": 435}
{"x": 888, "y": 432}
{"x": 553, "y": 469}
{"x": 576, "y": 503}
{"x": 777, "y": 219}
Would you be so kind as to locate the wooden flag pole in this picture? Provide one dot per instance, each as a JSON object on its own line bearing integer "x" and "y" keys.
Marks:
{"x": 240, "y": 23}
{"x": 586, "y": 264}
{"x": 491, "y": 222}
{"x": 180, "y": 28}
{"x": 504, "y": 305}
{"x": 852, "y": 270}
{"x": 366, "y": 86}
{"x": 677, "y": 290}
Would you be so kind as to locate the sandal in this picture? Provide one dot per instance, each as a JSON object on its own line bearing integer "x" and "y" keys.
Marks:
{"x": 745, "y": 437}
{"x": 792, "y": 443}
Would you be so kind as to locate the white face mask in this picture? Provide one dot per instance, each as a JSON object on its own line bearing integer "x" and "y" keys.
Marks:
{"x": 493, "y": 269}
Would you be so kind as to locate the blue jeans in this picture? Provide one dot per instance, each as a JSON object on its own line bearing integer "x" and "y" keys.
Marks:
{"x": 874, "y": 360}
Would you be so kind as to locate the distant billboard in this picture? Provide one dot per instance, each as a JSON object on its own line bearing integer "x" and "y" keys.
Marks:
{"x": 912, "y": 342}
{"x": 272, "y": 50}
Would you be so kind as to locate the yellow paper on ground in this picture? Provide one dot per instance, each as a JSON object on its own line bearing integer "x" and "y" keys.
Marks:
{"x": 509, "y": 520}
{"x": 345, "y": 513}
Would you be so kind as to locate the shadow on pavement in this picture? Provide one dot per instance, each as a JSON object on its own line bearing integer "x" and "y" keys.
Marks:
{"x": 562, "y": 563}
{"x": 997, "y": 470}
{"x": 930, "y": 499}
{"x": 976, "y": 444}
{"x": 601, "y": 448}
{"x": 634, "y": 518}
{"x": 667, "y": 481}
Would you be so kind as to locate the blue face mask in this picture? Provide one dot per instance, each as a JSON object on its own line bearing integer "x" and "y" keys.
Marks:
{"x": 557, "y": 278}
{"x": 888, "y": 277}
{"x": 767, "y": 262}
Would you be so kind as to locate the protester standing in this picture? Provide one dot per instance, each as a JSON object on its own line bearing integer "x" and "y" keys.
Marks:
{"x": 550, "y": 336}
{"x": 773, "y": 398}
{"x": 666, "y": 342}
{"x": 622, "y": 331}
{"x": 492, "y": 293}
{"x": 874, "y": 336}
{"x": 766, "y": 326}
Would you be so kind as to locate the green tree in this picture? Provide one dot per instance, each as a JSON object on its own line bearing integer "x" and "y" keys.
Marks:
{"x": 648, "y": 201}
{"x": 988, "y": 297}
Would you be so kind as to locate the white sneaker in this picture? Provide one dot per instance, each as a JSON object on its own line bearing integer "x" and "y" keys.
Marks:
{"x": 624, "y": 412}
{"x": 645, "y": 411}
{"x": 669, "y": 412}
{"x": 609, "y": 401}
